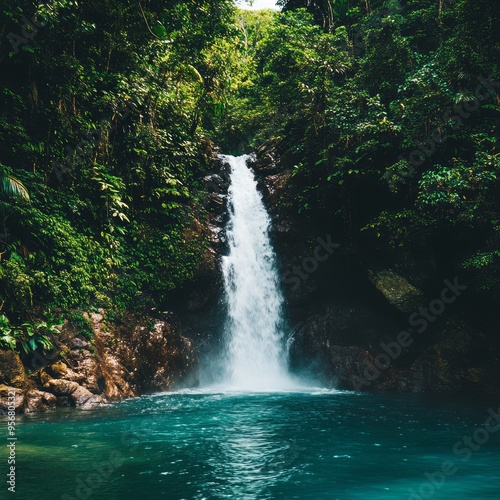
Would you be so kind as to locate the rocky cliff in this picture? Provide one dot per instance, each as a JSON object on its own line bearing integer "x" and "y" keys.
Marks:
{"x": 358, "y": 319}
{"x": 367, "y": 320}
{"x": 121, "y": 360}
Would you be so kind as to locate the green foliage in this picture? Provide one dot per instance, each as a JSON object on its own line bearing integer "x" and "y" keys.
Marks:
{"x": 108, "y": 113}
{"x": 11, "y": 186}
{"x": 81, "y": 324}
{"x": 327, "y": 13}
{"x": 102, "y": 116}
{"x": 383, "y": 112}
{"x": 28, "y": 337}
{"x": 242, "y": 113}
{"x": 7, "y": 339}
{"x": 460, "y": 193}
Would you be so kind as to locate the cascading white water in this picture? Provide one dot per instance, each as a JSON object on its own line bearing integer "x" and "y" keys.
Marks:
{"x": 256, "y": 354}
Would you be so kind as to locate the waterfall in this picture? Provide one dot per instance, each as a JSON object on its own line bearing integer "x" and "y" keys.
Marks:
{"x": 255, "y": 356}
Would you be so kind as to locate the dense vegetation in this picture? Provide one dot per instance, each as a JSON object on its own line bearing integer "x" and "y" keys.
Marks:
{"x": 102, "y": 152}
{"x": 110, "y": 110}
{"x": 389, "y": 113}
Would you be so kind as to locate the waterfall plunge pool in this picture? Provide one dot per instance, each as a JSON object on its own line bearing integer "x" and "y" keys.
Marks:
{"x": 240, "y": 445}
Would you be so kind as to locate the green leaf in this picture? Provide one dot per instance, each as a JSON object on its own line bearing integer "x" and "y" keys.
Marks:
{"x": 11, "y": 186}
{"x": 33, "y": 344}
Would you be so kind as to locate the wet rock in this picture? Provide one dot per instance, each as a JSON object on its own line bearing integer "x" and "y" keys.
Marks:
{"x": 64, "y": 402}
{"x": 216, "y": 186}
{"x": 61, "y": 387}
{"x": 267, "y": 159}
{"x": 217, "y": 203}
{"x": 82, "y": 397}
{"x": 217, "y": 236}
{"x": 37, "y": 401}
{"x": 217, "y": 183}
{"x": 6, "y": 393}
{"x": 397, "y": 290}
{"x": 12, "y": 372}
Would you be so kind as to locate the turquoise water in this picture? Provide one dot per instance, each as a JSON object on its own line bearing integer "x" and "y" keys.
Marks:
{"x": 316, "y": 445}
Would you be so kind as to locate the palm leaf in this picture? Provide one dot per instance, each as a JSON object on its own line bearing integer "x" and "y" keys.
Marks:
{"x": 13, "y": 187}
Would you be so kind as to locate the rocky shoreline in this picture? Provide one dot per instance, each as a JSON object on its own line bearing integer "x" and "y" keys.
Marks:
{"x": 135, "y": 358}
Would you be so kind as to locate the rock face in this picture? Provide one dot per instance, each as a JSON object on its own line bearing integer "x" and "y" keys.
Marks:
{"x": 271, "y": 159}
{"x": 140, "y": 360}
{"x": 356, "y": 323}
{"x": 198, "y": 305}
{"x": 367, "y": 322}
{"x": 12, "y": 371}
{"x": 396, "y": 289}
{"x": 10, "y": 397}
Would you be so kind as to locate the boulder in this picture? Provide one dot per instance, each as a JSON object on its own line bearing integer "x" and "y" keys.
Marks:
{"x": 37, "y": 401}
{"x": 6, "y": 393}
{"x": 64, "y": 402}
{"x": 83, "y": 397}
{"x": 61, "y": 387}
{"x": 12, "y": 371}
{"x": 58, "y": 369}
{"x": 396, "y": 289}
{"x": 49, "y": 399}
